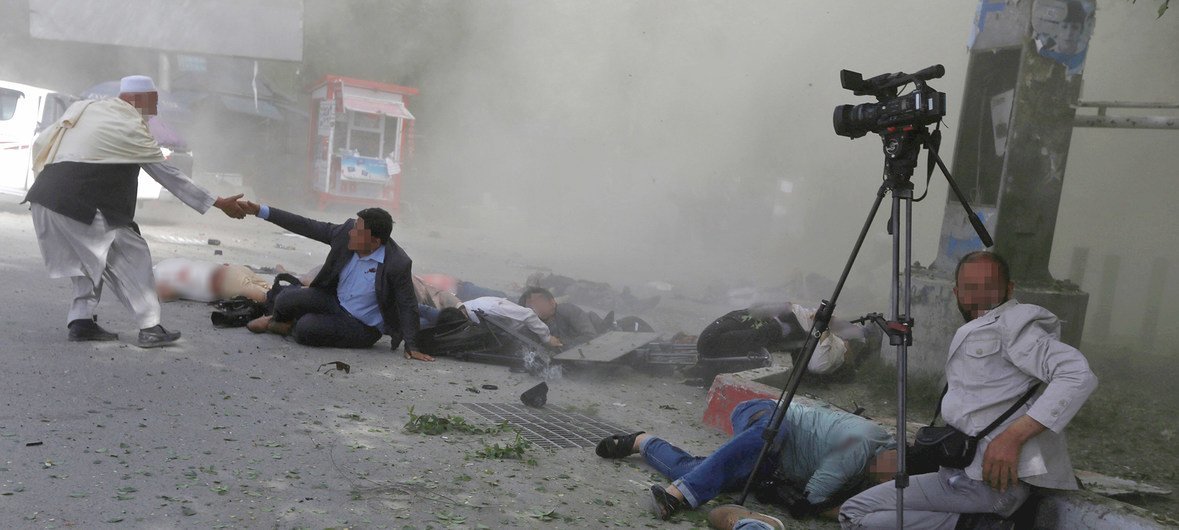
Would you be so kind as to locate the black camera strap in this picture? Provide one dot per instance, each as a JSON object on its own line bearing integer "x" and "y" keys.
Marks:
{"x": 933, "y": 142}
{"x": 998, "y": 421}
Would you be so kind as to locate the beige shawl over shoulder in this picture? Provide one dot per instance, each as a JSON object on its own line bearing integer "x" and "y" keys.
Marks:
{"x": 102, "y": 131}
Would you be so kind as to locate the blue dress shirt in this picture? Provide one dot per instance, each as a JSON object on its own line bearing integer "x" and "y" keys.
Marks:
{"x": 357, "y": 290}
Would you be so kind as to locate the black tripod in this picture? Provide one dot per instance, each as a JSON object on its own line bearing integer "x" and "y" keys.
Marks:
{"x": 901, "y": 147}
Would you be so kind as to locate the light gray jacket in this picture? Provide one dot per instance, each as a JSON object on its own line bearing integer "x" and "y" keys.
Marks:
{"x": 993, "y": 360}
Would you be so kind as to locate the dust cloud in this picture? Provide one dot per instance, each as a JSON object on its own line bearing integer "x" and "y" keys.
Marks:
{"x": 690, "y": 142}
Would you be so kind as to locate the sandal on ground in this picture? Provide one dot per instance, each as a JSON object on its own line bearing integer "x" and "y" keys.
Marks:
{"x": 665, "y": 504}
{"x": 617, "y": 446}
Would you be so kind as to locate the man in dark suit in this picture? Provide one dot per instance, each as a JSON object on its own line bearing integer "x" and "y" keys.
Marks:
{"x": 364, "y": 289}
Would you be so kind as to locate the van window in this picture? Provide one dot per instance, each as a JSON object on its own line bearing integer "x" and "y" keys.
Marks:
{"x": 55, "y": 105}
{"x": 8, "y": 101}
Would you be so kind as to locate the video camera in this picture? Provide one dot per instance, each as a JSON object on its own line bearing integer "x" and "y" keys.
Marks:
{"x": 922, "y": 106}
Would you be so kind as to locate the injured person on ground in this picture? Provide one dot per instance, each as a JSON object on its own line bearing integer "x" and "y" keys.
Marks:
{"x": 778, "y": 327}
{"x": 207, "y": 281}
{"x": 821, "y": 457}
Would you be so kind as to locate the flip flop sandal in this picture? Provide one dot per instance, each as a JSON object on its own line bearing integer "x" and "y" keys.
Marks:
{"x": 665, "y": 504}
{"x": 617, "y": 446}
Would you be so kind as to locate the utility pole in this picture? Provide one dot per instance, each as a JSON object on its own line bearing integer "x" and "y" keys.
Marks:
{"x": 1022, "y": 83}
{"x": 1019, "y": 108}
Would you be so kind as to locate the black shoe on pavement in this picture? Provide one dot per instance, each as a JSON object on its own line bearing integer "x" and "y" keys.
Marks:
{"x": 665, "y": 504}
{"x": 84, "y": 329}
{"x": 156, "y": 336}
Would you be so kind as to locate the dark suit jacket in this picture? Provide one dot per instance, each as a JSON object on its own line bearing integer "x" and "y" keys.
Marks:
{"x": 395, "y": 294}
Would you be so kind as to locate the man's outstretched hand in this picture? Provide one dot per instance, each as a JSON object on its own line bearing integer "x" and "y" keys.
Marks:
{"x": 249, "y": 207}
{"x": 418, "y": 356}
{"x": 231, "y": 206}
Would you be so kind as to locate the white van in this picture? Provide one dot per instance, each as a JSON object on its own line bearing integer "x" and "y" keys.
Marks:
{"x": 26, "y": 110}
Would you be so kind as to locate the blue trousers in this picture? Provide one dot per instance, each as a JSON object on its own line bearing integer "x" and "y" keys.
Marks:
{"x": 700, "y": 478}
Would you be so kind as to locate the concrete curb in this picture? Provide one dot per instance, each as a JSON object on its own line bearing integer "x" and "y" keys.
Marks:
{"x": 728, "y": 390}
{"x": 1069, "y": 510}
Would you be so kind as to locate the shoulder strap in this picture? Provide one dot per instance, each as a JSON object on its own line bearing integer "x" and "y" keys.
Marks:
{"x": 937, "y": 411}
{"x": 1028, "y": 395}
{"x": 1010, "y": 411}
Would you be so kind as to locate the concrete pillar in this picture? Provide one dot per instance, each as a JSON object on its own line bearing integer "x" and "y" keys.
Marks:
{"x": 1012, "y": 143}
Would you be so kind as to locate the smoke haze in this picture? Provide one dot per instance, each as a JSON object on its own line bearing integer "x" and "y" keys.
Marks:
{"x": 691, "y": 142}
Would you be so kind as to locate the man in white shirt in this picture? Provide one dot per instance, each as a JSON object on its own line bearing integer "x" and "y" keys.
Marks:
{"x": 1002, "y": 351}
{"x": 83, "y": 207}
{"x": 521, "y": 316}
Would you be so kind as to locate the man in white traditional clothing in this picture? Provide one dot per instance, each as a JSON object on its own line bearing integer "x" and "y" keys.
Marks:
{"x": 83, "y": 207}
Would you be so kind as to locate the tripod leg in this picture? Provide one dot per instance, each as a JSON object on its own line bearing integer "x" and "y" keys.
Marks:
{"x": 977, "y": 223}
{"x": 822, "y": 320}
{"x": 902, "y": 305}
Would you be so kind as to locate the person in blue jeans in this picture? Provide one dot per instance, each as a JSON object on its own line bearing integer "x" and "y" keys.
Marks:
{"x": 825, "y": 453}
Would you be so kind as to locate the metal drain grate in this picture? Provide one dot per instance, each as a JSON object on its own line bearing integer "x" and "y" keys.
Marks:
{"x": 550, "y": 429}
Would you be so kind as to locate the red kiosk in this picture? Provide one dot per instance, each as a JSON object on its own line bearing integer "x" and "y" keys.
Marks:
{"x": 363, "y": 138}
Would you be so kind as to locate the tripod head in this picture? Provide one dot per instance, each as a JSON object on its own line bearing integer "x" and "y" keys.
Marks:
{"x": 901, "y": 147}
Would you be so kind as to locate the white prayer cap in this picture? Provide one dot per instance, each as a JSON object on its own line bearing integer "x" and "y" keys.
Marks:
{"x": 136, "y": 83}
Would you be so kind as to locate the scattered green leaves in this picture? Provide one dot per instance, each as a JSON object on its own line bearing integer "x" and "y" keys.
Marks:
{"x": 514, "y": 450}
{"x": 433, "y": 424}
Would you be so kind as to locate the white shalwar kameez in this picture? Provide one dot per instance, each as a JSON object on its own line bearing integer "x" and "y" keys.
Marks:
{"x": 94, "y": 255}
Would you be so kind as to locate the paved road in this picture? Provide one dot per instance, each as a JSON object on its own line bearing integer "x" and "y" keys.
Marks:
{"x": 233, "y": 430}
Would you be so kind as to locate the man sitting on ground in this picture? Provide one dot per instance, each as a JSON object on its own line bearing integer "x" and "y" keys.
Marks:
{"x": 569, "y": 323}
{"x": 364, "y": 289}
{"x": 1002, "y": 350}
{"x": 206, "y": 281}
{"x": 825, "y": 455}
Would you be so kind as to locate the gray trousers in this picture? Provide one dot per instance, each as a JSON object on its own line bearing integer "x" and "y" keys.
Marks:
{"x": 94, "y": 256}
{"x": 933, "y": 500}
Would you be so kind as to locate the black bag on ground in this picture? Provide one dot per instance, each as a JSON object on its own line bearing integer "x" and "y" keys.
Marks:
{"x": 792, "y": 497}
{"x": 282, "y": 282}
{"x": 236, "y": 312}
{"x": 948, "y": 447}
{"x": 454, "y": 333}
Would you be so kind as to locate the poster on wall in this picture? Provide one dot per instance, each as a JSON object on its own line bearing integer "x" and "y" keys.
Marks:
{"x": 327, "y": 117}
{"x": 1061, "y": 31}
{"x": 998, "y": 24}
{"x": 362, "y": 168}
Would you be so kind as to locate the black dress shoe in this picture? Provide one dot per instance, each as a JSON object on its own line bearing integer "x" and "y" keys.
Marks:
{"x": 84, "y": 329}
{"x": 156, "y": 336}
{"x": 665, "y": 504}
